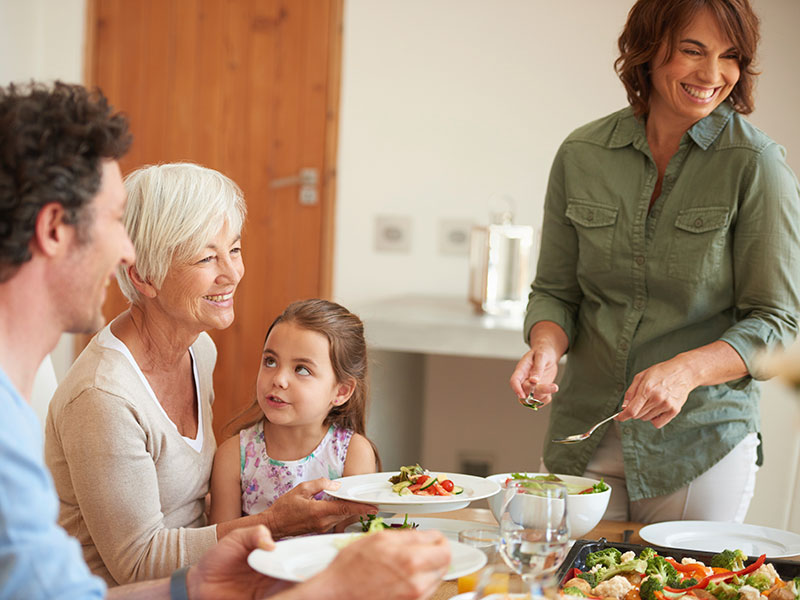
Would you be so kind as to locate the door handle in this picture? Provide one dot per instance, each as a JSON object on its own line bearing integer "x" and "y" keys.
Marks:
{"x": 307, "y": 179}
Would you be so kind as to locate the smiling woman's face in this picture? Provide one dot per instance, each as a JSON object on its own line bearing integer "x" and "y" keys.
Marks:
{"x": 701, "y": 74}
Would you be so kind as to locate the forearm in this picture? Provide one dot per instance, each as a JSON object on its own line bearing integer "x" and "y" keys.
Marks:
{"x": 226, "y": 527}
{"x": 713, "y": 364}
{"x": 550, "y": 335}
{"x": 146, "y": 590}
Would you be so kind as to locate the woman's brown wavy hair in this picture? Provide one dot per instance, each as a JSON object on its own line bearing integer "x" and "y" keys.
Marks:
{"x": 653, "y": 22}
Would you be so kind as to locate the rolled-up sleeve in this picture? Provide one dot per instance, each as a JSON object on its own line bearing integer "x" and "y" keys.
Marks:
{"x": 766, "y": 252}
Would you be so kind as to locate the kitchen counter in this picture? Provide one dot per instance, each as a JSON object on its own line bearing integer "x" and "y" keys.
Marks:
{"x": 446, "y": 325}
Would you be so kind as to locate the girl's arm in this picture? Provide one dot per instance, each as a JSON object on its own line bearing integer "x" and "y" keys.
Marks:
{"x": 360, "y": 457}
{"x": 226, "y": 487}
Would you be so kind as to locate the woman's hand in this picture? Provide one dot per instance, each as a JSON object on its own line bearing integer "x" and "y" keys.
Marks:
{"x": 298, "y": 512}
{"x": 538, "y": 368}
{"x": 658, "y": 393}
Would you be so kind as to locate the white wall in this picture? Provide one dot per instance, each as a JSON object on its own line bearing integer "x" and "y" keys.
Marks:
{"x": 446, "y": 103}
{"x": 43, "y": 40}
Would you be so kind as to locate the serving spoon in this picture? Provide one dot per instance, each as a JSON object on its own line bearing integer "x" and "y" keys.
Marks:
{"x": 579, "y": 437}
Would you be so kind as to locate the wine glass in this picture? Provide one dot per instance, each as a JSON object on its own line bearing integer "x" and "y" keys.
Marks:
{"x": 534, "y": 533}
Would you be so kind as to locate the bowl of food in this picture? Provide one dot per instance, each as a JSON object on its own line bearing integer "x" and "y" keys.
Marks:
{"x": 587, "y": 499}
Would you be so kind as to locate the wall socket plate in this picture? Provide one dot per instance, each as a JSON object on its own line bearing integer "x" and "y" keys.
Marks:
{"x": 454, "y": 236}
{"x": 392, "y": 233}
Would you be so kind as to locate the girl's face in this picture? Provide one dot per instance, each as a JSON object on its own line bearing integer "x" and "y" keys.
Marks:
{"x": 296, "y": 384}
{"x": 701, "y": 74}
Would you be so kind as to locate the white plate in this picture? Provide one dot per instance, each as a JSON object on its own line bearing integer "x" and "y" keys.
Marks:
{"x": 716, "y": 536}
{"x": 375, "y": 489}
{"x": 449, "y": 527}
{"x": 300, "y": 558}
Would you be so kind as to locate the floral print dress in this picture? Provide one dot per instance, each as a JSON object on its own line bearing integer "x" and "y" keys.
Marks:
{"x": 265, "y": 479}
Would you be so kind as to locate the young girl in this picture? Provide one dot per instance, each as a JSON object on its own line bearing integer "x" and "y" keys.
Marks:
{"x": 311, "y": 397}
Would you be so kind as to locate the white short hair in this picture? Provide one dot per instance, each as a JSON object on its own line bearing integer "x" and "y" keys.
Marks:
{"x": 173, "y": 211}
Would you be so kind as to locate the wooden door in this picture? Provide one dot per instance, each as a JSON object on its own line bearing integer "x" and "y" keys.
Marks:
{"x": 250, "y": 88}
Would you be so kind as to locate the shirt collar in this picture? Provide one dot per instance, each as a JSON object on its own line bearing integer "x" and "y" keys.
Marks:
{"x": 630, "y": 130}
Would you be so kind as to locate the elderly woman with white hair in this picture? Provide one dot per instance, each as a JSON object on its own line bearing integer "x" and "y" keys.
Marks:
{"x": 128, "y": 434}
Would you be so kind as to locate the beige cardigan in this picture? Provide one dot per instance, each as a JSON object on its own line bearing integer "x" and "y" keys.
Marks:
{"x": 132, "y": 490}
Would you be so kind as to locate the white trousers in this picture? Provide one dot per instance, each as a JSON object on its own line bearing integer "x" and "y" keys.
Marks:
{"x": 723, "y": 493}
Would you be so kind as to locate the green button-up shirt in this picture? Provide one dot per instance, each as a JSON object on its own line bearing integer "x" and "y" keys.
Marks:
{"x": 716, "y": 258}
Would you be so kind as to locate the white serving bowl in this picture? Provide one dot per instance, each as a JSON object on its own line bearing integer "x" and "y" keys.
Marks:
{"x": 584, "y": 511}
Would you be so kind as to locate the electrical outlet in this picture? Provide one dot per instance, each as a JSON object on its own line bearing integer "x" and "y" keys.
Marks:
{"x": 392, "y": 233}
{"x": 454, "y": 236}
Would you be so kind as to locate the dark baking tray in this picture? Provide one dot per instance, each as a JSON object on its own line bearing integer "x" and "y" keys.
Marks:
{"x": 576, "y": 558}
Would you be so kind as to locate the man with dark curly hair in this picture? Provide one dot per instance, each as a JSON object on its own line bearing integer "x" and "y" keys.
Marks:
{"x": 61, "y": 239}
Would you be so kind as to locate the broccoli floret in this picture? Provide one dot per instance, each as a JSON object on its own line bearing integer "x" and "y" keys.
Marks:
{"x": 573, "y": 591}
{"x": 686, "y": 583}
{"x": 758, "y": 580}
{"x": 733, "y": 560}
{"x": 647, "y": 553}
{"x": 723, "y": 591}
{"x": 632, "y": 566}
{"x": 657, "y": 566}
{"x": 590, "y": 578}
{"x": 608, "y": 557}
{"x": 648, "y": 588}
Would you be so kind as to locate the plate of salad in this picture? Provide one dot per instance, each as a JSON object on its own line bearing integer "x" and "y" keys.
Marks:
{"x": 415, "y": 490}
{"x": 300, "y": 558}
{"x": 449, "y": 527}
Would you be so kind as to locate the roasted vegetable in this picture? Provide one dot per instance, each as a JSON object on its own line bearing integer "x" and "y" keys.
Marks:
{"x": 733, "y": 560}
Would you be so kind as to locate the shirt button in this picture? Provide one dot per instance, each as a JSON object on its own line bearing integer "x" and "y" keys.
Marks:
{"x": 698, "y": 222}
{"x": 623, "y": 346}
{"x": 590, "y": 216}
{"x": 654, "y": 213}
{"x": 639, "y": 260}
{"x": 620, "y": 388}
{"x": 638, "y": 304}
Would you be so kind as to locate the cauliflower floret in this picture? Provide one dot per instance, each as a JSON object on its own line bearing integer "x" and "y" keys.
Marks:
{"x": 616, "y": 587}
{"x": 629, "y": 555}
{"x": 596, "y": 568}
{"x": 768, "y": 570}
{"x": 748, "y": 592}
{"x": 691, "y": 561}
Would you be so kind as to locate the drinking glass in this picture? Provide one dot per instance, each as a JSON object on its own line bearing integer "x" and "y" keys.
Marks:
{"x": 534, "y": 533}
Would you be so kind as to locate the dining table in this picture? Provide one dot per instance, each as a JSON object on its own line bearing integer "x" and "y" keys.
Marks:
{"x": 612, "y": 531}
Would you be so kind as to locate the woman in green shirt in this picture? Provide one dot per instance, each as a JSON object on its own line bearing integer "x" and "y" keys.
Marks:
{"x": 668, "y": 262}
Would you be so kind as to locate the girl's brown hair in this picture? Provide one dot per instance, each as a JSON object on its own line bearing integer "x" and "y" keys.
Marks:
{"x": 652, "y": 23}
{"x": 348, "y": 354}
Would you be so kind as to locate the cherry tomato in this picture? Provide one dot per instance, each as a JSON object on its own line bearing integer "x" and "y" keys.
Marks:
{"x": 448, "y": 485}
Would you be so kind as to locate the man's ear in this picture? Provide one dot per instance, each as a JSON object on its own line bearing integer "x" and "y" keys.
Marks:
{"x": 344, "y": 391}
{"x": 145, "y": 288}
{"x": 51, "y": 235}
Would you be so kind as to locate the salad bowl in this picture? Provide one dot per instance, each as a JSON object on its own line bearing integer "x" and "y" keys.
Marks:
{"x": 584, "y": 510}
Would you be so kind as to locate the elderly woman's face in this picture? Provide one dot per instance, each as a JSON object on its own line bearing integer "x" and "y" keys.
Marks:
{"x": 702, "y": 72}
{"x": 198, "y": 295}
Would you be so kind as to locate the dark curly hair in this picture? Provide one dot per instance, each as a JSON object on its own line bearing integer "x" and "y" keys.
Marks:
{"x": 653, "y": 22}
{"x": 52, "y": 142}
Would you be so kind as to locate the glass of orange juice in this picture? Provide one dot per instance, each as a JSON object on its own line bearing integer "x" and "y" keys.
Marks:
{"x": 493, "y": 578}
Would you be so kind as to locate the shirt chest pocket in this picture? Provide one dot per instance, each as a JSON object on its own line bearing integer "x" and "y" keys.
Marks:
{"x": 698, "y": 243}
{"x": 594, "y": 225}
